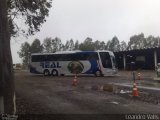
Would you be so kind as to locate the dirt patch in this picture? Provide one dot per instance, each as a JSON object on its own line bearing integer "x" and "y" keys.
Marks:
{"x": 143, "y": 96}
{"x": 26, "y": 106}
{"x": 126, "y": 93}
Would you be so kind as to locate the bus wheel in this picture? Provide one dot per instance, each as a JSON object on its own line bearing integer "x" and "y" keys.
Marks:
{"x": 54, "y": 72}
{"x": 98, "y": 73}
{"x": 46, "y": 72}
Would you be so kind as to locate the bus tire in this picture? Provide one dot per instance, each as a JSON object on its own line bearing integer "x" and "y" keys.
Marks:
{"x": 98, "y": 73}
{"x": 54, "y": 72}
{"x": 46, "y": 72}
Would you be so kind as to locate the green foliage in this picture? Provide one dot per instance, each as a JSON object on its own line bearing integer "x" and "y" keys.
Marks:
{"x": 136, "y": 42}
{"x": 152, "y": 41}
{"x": 97, "y": 45}
{"x": 87, "y": 45}
{"x": 32, "y": 13}
{"x": 76, "y": 46}
{"x": 57, "y": 44}
{"x": 69, "y": 46}
{"x": 24, "y": 53}
{"x": 114, "y": 45}
{"x": 102, "y": 46}
{"x": 108, "y": 45}
{"x": 47, "y": 45}
{"x": 140, "y": 42}
{"x": 36, "y": 46}
{"x": 27, "y": 49}
{"x": 123, "y": 46}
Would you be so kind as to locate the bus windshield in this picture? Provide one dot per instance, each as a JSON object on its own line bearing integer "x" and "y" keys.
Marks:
{"x": 106, "y": 59}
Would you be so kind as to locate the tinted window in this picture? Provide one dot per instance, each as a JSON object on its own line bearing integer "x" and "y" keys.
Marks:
{"x": 93, "y": 56}
{"x": 68, "y": 57}
{"x": 86, "y": 56}
{"x": 38, "y": 58}
{"x": 54, "y": 57}
{"x": 82, "y": 56}
{"x": 106, "y": 60}
{"x": 65, "y": 57}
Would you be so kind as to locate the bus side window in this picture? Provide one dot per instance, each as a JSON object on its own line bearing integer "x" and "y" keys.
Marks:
{"x": 85, "y": 56}
{"x": 93, "y": 56}
{"x": 41, "y": 58}
{"x": 49, "y": 58}
{"x": 38, "y": 58}
{"x": 79, "y": 56}
{"x": 64, "y": 57}
{"x": 56, "y": 57}
{"x": 68, "y": 57}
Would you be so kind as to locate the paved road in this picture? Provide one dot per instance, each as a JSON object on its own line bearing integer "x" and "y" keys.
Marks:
{"x": 37, "y": 94}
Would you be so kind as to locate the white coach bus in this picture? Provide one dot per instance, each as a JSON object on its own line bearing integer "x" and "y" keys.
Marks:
{"x": 99, "y": 63}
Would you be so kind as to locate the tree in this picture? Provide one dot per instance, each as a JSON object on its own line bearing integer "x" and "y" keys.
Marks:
{"x": 76, "y": 45}
{"x": 136, "y": 42}
{"x": 24, "y": 53}
{"x": 47, "y": 45}
{"x": 27, "y": 49}
{"x": 7, "y": 88}
{"x": 33, "y": 13}
{"x": 97, "y": 45}
{"x": 57, "y": 44}
{"x": 69, "y": 45}
{"x": 114, "y": 45}
{"x": 123, "y": 46}
{"x": 152, "y": 41}
{"x": 157, "y": 42}
{"x": 102, "y": 45}
{"x": 36, "y": 46}
{"x": 87, "y": 45}
{"x": 108, "y": 45}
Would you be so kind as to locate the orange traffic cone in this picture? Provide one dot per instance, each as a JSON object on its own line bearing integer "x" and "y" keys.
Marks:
{"x": 139, "y": 76}
{"x": 74, "y": 82}
{"x": 135, "y": 90}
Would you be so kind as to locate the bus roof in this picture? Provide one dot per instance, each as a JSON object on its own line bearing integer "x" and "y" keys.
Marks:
{"x": 69, "y": 52}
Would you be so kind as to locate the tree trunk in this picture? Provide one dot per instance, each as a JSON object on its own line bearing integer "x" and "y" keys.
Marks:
{"x": 7, "y": 89}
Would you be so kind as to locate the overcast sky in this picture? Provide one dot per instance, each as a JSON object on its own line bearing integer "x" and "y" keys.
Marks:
{"x": 98, "y": 19}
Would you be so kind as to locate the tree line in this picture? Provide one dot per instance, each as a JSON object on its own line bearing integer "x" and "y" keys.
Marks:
{"x": 51, "y": 45}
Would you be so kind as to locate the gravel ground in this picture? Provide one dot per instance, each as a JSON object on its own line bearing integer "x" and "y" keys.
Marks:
{"x": 143, "y": 96}
{"x": 55, "y": 95}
